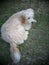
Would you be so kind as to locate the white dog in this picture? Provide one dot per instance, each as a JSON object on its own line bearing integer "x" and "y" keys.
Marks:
{"x": 15, "y": 31}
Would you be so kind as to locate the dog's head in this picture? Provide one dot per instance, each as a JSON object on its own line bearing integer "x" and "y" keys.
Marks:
{"x": 29, "y": 15}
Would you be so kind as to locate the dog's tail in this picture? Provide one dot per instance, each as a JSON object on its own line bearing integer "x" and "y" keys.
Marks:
{"x": 14, "y": 52}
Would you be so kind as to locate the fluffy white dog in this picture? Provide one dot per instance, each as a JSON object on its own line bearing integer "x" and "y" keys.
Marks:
{"x": 15, "y": 31}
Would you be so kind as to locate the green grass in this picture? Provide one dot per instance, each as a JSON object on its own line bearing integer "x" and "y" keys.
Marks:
{"x": 35, "y": 51}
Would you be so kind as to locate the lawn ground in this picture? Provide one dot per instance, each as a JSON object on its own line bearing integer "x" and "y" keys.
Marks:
{"x": 34, "y": 51}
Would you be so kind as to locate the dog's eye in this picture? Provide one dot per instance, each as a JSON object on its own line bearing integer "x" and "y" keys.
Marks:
{"x": 28, "y": 17}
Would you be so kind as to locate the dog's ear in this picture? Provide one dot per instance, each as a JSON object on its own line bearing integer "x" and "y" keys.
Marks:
{"x": 23, "y": 19}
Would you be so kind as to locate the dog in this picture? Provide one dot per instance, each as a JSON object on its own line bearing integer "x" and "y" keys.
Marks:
{"x": 16, "y": 29}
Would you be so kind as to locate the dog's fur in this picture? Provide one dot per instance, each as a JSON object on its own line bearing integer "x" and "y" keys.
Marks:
{"x": 15, "y": 31}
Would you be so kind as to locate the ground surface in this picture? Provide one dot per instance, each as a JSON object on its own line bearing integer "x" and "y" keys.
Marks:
{"x": 35, "y": 51}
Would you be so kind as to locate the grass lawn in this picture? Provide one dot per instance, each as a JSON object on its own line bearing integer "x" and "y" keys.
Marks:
{"x": 35, "y": 51}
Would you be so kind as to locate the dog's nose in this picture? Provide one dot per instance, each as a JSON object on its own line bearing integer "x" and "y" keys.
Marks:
{"x": 32, "y": 22}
